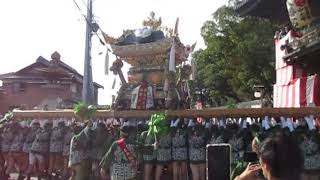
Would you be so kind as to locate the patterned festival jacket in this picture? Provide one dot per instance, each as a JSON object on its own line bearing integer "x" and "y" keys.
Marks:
{"x": 115, "y": 159}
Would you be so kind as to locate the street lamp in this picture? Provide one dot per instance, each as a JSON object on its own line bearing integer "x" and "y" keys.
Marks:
{"x": 198, "y": 93}
{"x": 259, "y": 93}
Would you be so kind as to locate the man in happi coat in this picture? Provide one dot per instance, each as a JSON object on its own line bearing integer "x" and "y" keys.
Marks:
{"x": 6, "y": 139}
{"x": 310, "y": 148}
{"x": 179, "y": 149}
{"x": 79, "y": 161}
{"x": 121, "y": 158}
{"x": 197, "y": 138}
{"x": 69, "y": 133}
{"x": 18, "y": 158}
{"x": 40, "y": 149}
{"x": 2, "y": 161}
{"x": 56, "y": 148}
{"x": 30, "y": 137}
{"x": 237, "y": 144}
{"x": 100, "y": 144}
{"x": 146, "y": 154}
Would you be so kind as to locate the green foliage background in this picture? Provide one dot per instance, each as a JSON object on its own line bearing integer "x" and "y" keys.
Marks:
{"x": 239, "y": 54}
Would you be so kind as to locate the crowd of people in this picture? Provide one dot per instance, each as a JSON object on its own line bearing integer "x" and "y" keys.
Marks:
{"x": 123, "y": 149}
{"x": 32, "y": 149}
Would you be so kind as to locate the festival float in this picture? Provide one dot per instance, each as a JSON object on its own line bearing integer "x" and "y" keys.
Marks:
{"x": 297, "y": 48}
{"x": 158, "y": 76}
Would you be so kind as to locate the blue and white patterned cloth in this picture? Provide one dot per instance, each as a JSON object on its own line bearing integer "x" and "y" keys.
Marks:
{"x": 56, "y": 141}
{"x": 164, "y": 149}
{"x": 311, "y": 155}
{"x": 197, "y": 150}
{"x": 179, "y": 146}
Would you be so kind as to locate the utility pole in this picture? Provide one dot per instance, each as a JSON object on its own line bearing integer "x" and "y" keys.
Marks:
{"x": 87, "y": 86}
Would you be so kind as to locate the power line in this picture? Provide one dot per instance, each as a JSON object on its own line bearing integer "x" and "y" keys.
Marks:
{"x": 89, "y": 23}
{"x": 74, "y": 1}
{"x": 84, "y": 3}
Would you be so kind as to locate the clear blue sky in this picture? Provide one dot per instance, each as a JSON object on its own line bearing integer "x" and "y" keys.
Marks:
{"x": 32, "y": 28}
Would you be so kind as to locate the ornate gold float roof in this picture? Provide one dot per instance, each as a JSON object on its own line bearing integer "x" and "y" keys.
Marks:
{"x": 154, "y": 60}
{"x": 136, "y": 50}
{"x": 153, "y": 53}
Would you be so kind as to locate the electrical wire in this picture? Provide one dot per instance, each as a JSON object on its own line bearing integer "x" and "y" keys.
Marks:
{"x": 78, "y": 7}
{"x": 84, "y": 3}
{"x": 87, "y": 21}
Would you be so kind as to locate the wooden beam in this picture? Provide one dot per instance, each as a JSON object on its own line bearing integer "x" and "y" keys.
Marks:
{"x": 206, "y": 113}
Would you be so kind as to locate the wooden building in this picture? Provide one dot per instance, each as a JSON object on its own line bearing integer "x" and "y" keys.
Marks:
{"x": 45, "y": 84}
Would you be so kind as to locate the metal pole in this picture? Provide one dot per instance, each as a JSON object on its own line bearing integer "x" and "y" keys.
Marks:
{"x": 87, "y": 86}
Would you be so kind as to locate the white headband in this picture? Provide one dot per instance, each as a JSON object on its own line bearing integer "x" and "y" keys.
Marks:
{"x": 222, "y": 123}
{"x": 191, "y": 123}
{"x": 176, "y": 122}
{"x": 283, "y": 122}
{"x": 310, "y": 122}
{"x": 244, "y": 122}
{"x": 290, "y": 124}
{"x": 265, "y": 123}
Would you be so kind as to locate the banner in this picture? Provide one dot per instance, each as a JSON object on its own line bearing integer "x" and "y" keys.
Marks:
{"x": 300, "y": 92}
{"x": 172, "y": 58}
{"x": 288, "y": 73}
{"x": 106, "y": 63}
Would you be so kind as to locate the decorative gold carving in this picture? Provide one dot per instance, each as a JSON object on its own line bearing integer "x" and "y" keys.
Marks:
{"x": 116, "y": 68}
{"x": 109, "y": 39}
{"x": 155, "y": 23}
{"x": 311, "y": 37}
{"x": 137, "y": 50}
{"x": 155, "y": 59}
{"x": 152, "y": 22}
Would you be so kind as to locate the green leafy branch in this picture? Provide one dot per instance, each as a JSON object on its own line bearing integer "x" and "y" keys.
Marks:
{"x": 84, "y": 111}
{"x": 7, "y": 117}
{"x": 158, "y": 126}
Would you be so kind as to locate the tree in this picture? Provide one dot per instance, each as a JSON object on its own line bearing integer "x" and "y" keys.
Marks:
{"x": 239, "y": 55}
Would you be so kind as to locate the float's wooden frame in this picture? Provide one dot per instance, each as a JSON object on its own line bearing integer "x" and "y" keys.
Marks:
{"x": 206, "y": 113}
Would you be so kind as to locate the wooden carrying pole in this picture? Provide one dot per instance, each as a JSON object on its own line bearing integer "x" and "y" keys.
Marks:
{"x": 206, "y": 113}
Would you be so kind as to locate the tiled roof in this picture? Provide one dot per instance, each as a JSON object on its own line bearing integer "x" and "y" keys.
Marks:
{"x": 269, "y": 9}
{"x": 23, "y": 73}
